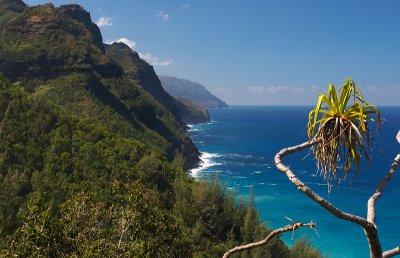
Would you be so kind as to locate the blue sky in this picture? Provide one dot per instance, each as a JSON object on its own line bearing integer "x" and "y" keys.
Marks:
{"x": 262, "y": 52}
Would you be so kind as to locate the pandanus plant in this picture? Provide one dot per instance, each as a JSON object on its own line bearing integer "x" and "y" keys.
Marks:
{"x": 339, "y": 123}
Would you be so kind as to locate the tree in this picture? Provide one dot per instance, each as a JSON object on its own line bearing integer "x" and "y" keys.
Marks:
{"x": 340, "y": 142}
{"x": 342, "y": 139}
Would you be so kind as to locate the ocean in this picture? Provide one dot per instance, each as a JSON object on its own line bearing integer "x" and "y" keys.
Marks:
{"x": 239, "y": 146}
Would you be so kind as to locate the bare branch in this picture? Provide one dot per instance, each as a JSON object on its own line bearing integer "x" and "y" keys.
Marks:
{"x": 271, "y": 235}
{"x": 379, "y": 190}
{"x": 391, "y": 253}
{"x": 310, "y": 193}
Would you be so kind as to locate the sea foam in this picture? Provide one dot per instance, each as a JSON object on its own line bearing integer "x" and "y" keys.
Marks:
{"x": 206, "y": 162}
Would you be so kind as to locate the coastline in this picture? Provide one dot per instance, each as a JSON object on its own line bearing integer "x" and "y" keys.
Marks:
{"x": 206, "y": 161}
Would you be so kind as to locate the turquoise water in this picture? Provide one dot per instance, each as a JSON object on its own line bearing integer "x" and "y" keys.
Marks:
{"x": 239, "y": 145}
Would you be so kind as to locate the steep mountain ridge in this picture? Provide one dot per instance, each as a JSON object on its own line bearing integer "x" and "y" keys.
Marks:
{"x": 197, "y": 93}
{"x": 58, "y": 54}
{"x": 141, "y": 72}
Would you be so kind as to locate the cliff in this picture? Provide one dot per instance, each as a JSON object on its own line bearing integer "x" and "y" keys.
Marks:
{"x": 192, "y": 113}
{"x": 141, "y": 72}
{"x": 57, "y": 54}
{"x": 196, "y": 92}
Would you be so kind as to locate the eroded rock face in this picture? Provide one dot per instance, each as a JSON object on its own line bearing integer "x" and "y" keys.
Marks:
{"x": 78, "y": 13}
{"x": 43, "y": 42}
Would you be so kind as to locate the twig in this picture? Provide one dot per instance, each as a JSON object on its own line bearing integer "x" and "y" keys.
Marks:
{"x": 391, "y": 253}
{"x": 271, "y": 235}
{"x": 379, "y": 190}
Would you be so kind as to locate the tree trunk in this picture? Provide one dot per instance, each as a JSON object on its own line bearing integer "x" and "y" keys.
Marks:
{"x": 375, "y": 249}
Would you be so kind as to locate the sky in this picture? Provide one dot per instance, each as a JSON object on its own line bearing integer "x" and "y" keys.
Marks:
{"x": 262, "y": 52}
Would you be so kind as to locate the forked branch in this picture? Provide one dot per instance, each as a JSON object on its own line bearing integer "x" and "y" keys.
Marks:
{"x": 379, "y": 190}
{"x": 308, "y": 191}
{"x": 368, "y": 224}
{"x": 391, "y": 253}
{"x": 271, "y": 235}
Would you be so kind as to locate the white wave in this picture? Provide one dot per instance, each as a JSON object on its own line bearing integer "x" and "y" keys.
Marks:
{"x": 245, "y": 156}
{"x": 314, "y": 183}
{"x": 257, "y": 172}
{"x": 239, "y": 177}
{"x": 206, "y": 161}
{"x": 248, "y": 186}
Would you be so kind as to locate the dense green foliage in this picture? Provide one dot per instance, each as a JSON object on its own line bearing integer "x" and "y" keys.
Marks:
{"x": 91, "y": 163}
{"x": 71, "y": 187}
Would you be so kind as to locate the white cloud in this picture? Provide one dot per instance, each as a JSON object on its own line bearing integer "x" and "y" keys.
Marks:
{"x": 126, "y": 41}
{"x": 275, "y": 89}
{"x": 284, "y": 88}
{"x": 185, "y": 6}
{"x": 393, "y": 87}
{"x": 373, "y": 88}
{"x": 162, "y": 16}
{"x": 386, "y": 88}
{"x": 256, "y": 89}
{"x": 104, "y": 21}
{"x": 154, "y": 60}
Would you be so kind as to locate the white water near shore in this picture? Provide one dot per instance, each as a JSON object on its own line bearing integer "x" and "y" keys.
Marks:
{"x": 205, "y": 163}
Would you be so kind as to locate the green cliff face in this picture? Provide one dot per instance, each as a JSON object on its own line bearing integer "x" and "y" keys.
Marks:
{"x": 57, "y": 54}
{"x": 142, "y": 73}
{"x": 192, "y": 113}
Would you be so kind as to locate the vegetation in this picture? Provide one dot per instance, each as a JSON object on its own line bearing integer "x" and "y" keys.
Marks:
{"x": 71, "y": 187}
{"x": 192, "y": 113}
{"x": 343, "y": 131}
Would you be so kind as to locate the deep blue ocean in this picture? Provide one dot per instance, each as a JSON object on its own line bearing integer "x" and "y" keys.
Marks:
{"x": 239, "y": 146}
